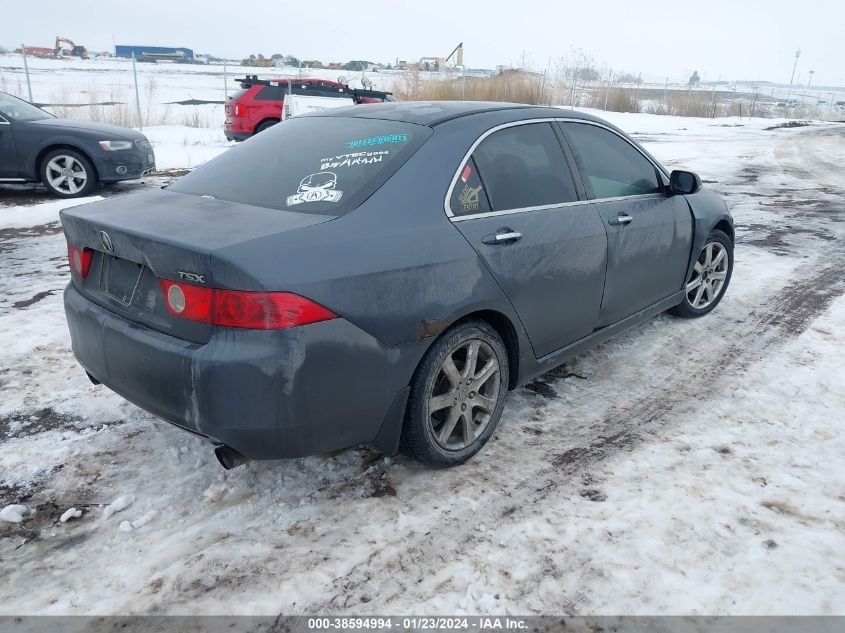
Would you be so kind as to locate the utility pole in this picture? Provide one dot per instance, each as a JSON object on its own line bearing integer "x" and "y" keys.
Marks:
{"x": 712, "y": 98}
{"x": 792, "y": 78}
{"x": 607, "y": 93}
{"x": 137, "y": 94}
{"x": 26, "y": 70}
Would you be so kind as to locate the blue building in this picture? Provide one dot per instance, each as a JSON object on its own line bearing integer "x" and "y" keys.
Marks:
{"x": 155, "y": 53}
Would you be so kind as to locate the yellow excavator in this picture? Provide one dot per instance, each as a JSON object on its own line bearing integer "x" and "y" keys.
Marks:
{"x": 77, "y": 51}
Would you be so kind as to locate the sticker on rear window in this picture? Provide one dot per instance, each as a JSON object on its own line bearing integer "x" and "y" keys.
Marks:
{"x": 352, "y": 159}
{"x": 469, "y": 198}
{"x": 319, "y": 187}
{"x": 466, "y": 173}
{"x": 376, "y": 140}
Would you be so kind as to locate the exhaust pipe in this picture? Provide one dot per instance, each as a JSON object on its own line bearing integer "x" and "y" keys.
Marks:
{"x": 229, "y": 458}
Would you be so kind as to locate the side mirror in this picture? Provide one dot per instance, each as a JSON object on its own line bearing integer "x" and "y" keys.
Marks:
{"x": 684, "y": 182}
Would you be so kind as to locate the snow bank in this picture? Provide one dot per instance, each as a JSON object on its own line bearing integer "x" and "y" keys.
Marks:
{"x": 70, "y": 513}
{"x": 12, "y": 513}
{"x": 44, "y": 213}
{"x": 118, "y": 505}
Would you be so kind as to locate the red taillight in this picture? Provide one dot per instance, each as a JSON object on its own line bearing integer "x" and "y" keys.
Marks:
{"x": 240, "y": 308}
{"x": 80, "y": 259}
{"x": 240, "y": 110}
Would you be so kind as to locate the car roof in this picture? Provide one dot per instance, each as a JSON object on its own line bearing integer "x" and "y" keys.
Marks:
{"x": 432, "y": 113}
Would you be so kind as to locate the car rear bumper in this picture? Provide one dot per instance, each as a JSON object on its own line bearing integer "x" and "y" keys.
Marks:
{"x": 236, "y": 136}
{"x": 267, "y": 394}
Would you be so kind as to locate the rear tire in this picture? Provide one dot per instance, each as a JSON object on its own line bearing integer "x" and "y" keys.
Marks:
{"x": 265, "y": 125}
{"x": 709, "y": 279}
{"x": 68, "y": 173}
{"x": 457, "y": 396}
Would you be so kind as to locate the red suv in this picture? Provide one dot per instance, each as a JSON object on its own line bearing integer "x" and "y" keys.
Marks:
{"x": 258, "y": 104}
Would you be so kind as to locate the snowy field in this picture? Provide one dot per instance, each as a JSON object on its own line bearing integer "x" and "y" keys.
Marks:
{"x": 103, "y": 89}
{"x": 686, "y": 467}
{"x": 80, "y": 83}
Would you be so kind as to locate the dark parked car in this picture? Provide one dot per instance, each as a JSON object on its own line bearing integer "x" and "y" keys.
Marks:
{"x": 70, "y": 157}
{"x": 387, "y": 278}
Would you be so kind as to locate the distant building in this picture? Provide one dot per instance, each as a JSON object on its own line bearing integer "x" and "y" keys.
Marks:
{"x": 431, "y": 63}
{"x": 37, "y": 51}
{"x": 155, "y": 53}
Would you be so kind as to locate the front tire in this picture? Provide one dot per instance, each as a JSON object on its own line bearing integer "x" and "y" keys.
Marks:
{"x": 709, "y": 279}
{"x": 68, "y": 174}
{"x": 457, "y": 396}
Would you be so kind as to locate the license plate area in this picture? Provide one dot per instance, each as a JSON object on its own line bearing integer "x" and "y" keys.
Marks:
{"x": 119, "y": 278}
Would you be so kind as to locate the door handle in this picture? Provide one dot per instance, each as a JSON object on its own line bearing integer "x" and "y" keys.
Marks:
{"x": 502, "y": 236}
{"x": 620, "y": 220}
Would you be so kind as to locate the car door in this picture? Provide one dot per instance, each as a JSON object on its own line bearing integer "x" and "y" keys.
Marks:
{"x": 515, "y": 201}
{"x": 649, "y": 232}
{"x": 8, "y": 151}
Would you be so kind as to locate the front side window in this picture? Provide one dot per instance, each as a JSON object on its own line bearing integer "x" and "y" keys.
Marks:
{"x": 524, "y": 166}
{"x": 613, "y": 166}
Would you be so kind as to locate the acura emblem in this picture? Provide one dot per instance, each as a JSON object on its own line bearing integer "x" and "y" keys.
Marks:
{"x": 106, "y": 240}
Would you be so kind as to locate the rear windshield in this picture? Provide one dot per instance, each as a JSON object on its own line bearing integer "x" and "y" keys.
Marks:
{"x": 325, "y": 165}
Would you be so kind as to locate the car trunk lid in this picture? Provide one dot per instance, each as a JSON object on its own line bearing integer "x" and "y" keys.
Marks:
{"x": 138, "y": 240}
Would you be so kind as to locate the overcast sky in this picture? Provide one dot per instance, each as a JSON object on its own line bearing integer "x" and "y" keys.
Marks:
{"x": 734, "y": 39}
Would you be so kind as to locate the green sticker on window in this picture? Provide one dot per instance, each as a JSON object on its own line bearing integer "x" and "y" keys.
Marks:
{"x": 385, "y": 139}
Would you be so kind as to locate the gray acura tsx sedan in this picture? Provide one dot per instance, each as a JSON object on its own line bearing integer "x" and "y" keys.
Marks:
{"x": 384, "y": 275}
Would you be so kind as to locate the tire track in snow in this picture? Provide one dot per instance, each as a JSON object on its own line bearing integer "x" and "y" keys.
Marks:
{"x": 562, "y": 466}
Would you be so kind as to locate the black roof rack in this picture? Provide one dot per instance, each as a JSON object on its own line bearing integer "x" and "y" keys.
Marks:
{"x": 356, "y": 93}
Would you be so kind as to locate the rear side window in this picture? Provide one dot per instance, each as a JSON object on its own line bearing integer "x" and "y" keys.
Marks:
{"x": 270, "y": 93}
{"x": 524, "y": 166}
{"x": 613, "y": 166}
{"x": 309, "y": 164}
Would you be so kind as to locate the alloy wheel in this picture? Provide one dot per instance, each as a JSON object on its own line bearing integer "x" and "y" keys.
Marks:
{"x": 708, "y": 276}
{"x": 66, "y": 174}
{"x": 464, "y": 395}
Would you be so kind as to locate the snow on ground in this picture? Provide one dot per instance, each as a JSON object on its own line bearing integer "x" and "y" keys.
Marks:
{"x": 689, "y": 467}
{"x": 44, "y": 213}
{"x": 180, "y": 147}
{"x": 174, "y": 82}
{"x": 160, "y": 87}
